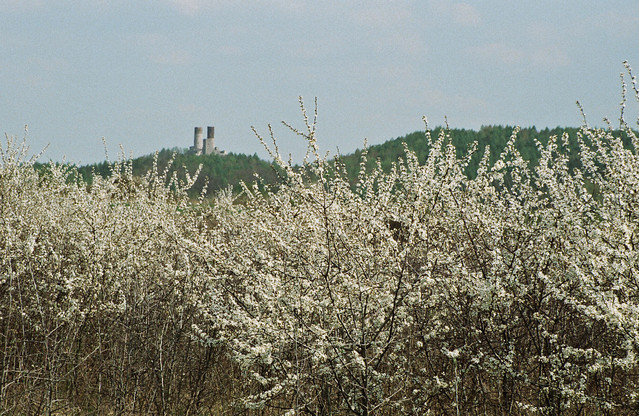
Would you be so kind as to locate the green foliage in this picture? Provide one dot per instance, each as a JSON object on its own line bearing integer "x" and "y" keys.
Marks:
{"x": 217, "y": 172}
{"x": 495, "y": 137}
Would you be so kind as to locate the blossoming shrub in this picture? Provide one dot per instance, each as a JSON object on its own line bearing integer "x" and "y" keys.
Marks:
{"x": 424, "y": 291}
{"x": 417, "y": 291}
{"x": 98, "y": 292}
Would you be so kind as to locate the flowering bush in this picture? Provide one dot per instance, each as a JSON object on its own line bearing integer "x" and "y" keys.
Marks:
{"x": 98, "y": 292}
{"x": 424, "y": 291}
{"x": 417, "y": 291}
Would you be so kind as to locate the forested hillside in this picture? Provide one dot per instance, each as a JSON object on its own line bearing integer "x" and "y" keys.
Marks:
{"x": 220, "y": 171}
{"x": 494, "y": 136}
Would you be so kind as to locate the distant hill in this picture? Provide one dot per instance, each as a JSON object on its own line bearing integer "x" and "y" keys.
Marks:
{"x": 220, "y": 170}
{"x": 495, "y": 136}
{"x": 231, "y": 169}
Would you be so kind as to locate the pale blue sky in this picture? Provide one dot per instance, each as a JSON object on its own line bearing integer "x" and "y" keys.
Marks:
{"x": 144, "y": 73}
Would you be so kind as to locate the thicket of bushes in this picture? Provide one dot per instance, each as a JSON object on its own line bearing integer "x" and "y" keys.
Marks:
{"x": 420, "y": 290}
{"x": 98, "y": 292}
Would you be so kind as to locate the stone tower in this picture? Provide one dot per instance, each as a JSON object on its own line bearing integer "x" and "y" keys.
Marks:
{"x": 198, "y": 144}
{"x": 209, "y": 144}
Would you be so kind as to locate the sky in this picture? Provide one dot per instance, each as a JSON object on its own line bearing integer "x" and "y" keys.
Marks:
{"x": 142, "y": 74}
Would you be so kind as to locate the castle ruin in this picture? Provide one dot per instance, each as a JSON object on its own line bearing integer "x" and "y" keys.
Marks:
{"x": 205, "y": 147}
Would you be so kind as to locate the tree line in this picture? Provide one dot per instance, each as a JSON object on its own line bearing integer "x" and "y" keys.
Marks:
{"x": 217, "y": 172}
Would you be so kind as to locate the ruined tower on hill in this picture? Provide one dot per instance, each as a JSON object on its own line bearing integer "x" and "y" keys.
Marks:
{"x": 205, "y": 146}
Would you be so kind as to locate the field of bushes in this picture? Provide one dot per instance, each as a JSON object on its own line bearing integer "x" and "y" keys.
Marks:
{"x": 416, "y": 290}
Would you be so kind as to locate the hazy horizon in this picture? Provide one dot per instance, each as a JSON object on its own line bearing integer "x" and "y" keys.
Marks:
{"x": 143, "y": 74}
